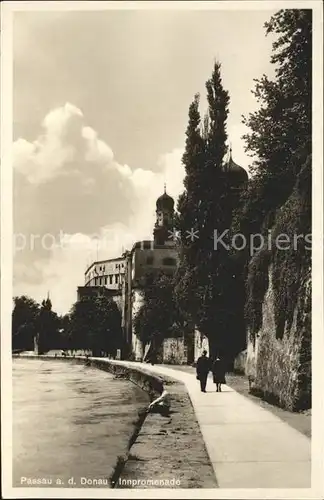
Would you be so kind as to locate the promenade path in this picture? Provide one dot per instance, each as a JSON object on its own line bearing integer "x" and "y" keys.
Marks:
{"x": 248, "y": 446}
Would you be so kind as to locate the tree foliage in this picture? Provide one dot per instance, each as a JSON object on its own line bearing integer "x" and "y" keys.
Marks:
{"x": 47, "y": 328}
{"x": 278, "y": 198}
{"x": 280, "y": 131}
{"x": 31, "y": 321}
{"x": 24, "y": 323}
{"x": 158, "y": 317}
{"x": 95, "y": 324}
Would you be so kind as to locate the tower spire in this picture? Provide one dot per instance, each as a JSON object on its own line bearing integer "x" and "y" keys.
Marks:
{"x": 165, "y": 188}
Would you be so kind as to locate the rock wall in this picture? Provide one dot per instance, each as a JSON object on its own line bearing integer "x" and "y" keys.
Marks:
{"x": 276, "y": 365}
{"x": 175, "y": 351}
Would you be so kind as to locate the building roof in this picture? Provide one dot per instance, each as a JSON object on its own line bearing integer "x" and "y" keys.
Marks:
{"x": 103, "y": 262}
{"x": 165, "y": 201}
{"x": 237, "y": 174}
{"x": 149, "y": 245}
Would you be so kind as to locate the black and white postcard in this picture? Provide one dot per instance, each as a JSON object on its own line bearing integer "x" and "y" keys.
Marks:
{"x": 162, "y": 249}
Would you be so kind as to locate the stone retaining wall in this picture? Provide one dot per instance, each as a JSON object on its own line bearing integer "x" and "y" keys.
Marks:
{"x": 152, "y": 384}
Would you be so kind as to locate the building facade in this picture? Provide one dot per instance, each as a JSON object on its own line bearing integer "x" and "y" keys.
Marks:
{"x": 108, "y": 273}
{"x": 149, "y": 256}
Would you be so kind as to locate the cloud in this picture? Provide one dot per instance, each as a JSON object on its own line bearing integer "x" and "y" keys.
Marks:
{"x": 73, "y": 202}
{"x": 65, "y": 140}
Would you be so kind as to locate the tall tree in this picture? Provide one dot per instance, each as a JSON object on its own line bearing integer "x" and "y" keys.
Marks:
{"x": 24, "y": 323}
{"x": 202, "y": 287}
{"x": 48, "y": 325}
{"x": 187, "y": 216}
{"x": 158, "y": 317}
{"x": 108, "y": 336}
{"x": 95, "y": 324}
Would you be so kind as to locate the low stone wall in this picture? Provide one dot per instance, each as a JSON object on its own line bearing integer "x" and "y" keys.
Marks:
{"x": 152, "y": 384}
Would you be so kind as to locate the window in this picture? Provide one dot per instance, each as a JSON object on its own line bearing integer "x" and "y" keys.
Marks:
{"x": 110, "y": 279}
{"x": 116, "y": 278}
{"x": 105, "y": 281}
{"x": 149, "y": 260}
{"x": 169, "y": 261}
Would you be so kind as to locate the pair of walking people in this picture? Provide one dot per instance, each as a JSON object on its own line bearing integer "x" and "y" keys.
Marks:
{"x": 204, "y": 366}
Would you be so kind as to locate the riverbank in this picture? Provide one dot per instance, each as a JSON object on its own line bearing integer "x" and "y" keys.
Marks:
{"x": 170, "y": 451}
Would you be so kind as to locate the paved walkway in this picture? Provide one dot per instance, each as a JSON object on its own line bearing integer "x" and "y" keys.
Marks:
{"x": 248, "y": 446}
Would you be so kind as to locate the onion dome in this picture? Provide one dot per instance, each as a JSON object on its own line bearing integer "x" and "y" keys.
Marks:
{"x": 165, "y": 202}
{"x": 237, "y": 175}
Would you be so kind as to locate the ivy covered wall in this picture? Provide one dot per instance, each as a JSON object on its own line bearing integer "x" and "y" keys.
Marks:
{"x": 278, "y": 305}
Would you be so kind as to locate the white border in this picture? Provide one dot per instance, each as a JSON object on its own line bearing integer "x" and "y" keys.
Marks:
{"x": 317, "y": 490}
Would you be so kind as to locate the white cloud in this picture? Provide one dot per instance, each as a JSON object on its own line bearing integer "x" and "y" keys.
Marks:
{"x": 96, "y": 150}
{"x": 58, "y": 121}
{"x": 46, "y": 157}
{"x": 76, "y": 191}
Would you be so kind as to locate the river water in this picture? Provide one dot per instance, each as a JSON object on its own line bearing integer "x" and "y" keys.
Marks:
{"x": 70, "y": 423}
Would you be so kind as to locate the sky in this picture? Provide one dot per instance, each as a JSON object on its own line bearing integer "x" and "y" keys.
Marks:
{"x": 100, "y": 102}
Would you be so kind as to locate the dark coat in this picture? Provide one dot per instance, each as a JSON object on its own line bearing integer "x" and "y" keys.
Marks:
{"x": 218, "y": 372}
{"x": 203, "y": 366}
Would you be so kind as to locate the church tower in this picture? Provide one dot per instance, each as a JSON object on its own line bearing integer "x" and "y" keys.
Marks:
{"x": 164, "y": 219}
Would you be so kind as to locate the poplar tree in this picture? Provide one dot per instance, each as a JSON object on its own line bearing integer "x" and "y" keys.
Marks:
{"x": 187, "y": 216}
{"x": 48, "y": 324}
{"x": 201, "y": 211}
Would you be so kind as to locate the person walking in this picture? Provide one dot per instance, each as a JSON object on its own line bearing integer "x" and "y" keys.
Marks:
{"x": 218, "y": 371}
{"x": 203, "y": 368}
